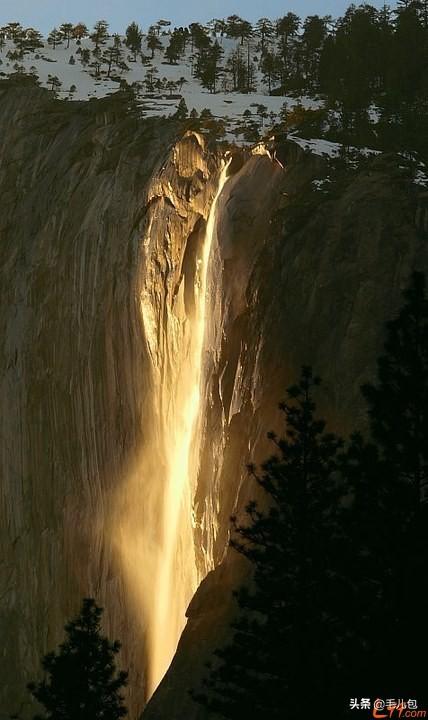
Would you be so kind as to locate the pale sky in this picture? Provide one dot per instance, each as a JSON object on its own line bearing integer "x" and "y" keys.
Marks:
{"x": 44, "y": 14}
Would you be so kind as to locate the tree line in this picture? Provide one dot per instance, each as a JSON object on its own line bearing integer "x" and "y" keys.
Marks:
{"x": 370, "y": 66}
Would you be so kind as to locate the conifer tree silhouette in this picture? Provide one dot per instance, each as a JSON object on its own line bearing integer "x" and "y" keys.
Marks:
{"x": 389, "y": 474}
{"x": 81, "y": 680}
{"x": 285, "y": 637}
{"x": 398, "y": 401}
{"x": 337, "y": 602}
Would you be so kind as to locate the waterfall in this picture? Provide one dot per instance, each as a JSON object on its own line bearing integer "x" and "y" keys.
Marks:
{"x": 176, "y": 577}
{"x": 155, "y": 532}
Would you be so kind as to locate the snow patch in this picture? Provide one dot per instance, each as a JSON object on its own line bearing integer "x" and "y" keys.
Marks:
{"x": 421, "y": 178}
{"x": 78, "y": 82}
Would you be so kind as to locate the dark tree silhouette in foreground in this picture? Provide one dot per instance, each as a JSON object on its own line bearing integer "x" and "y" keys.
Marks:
{"x": 285, "y": 638}
{"x": 337, "y": 604}
{"x": 390, "y": 523}
{"x": 81, "y": 681}
{"x": 398, "y": 402}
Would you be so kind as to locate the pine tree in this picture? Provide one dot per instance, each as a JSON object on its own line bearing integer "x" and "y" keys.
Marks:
{"x": 410, "y": 54}
{"x": 288, "y": 632}
{"x": 100, "y": 33}
{"x": 97, "y": 68}
{"x": 288, "y": 47}
{"x": 233, "y": 24}
{"x": 30, "y": 41}
{"x": 134, "y": 38}
{"x": 180, "y": 82}
{"x": 398, "y": 402}
{"x": 85, "y": 56}
{"x": 150, "y": 78}
{"x": 153, "y": 42}
{"x": 313, "y": 37}
{"x": 113, "y": 55}
{"x": 288, "y": 26}
{"x": 81, "y": 680}
{"x": 54, "y": 82}
{"x": 54, "y": 38}
{"x": 173, "y": 50}
{"x": 66, "y": 30}
{"x": 13, "y": 30}
{"x": 269, "y": 68}
{"x": 237, "y": 68}
{"x": 238, "y": 28}
{"x": 182, "y": 110}
{"x": 208, "y": 68}
{"x": 199, "y": 37}
{"x": 265, "y": 30}
{"x": 388, "y": 474}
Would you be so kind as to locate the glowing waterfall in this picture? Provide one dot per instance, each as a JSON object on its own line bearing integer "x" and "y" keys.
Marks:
{"x": 175, "y": 576}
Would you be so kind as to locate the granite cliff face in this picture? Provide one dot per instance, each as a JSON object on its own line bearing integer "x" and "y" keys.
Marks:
{"x": 101, "y": 235}
{"x": 80, "y": 186}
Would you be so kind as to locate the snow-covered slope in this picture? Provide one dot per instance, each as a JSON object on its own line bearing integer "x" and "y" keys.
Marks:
{"x": 47, "y": 62}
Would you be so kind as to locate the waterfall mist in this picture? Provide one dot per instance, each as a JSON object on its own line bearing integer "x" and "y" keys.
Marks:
{"x": 154, "y": 531}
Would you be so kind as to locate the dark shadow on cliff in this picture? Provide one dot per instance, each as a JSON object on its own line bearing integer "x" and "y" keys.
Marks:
{"x": 339, "y": 555}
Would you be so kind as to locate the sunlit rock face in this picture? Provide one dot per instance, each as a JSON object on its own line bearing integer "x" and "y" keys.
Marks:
{"x": 133, "y": 266}
{"x": 99, "y": 215}
{"x": 154, "y": 509}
